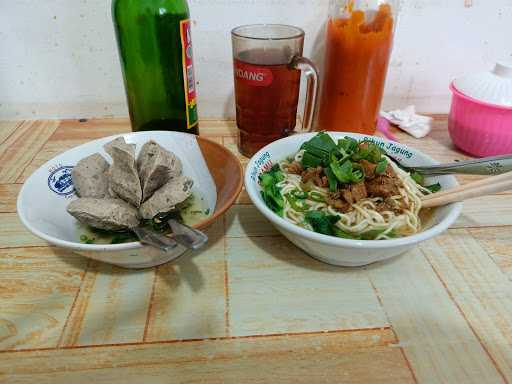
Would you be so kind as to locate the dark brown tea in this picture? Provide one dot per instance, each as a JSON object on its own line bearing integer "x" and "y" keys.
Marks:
{"x": 266, "y": 93}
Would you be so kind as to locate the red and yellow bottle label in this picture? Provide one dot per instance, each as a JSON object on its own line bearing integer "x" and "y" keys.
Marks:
{"x": 189, "y": 80}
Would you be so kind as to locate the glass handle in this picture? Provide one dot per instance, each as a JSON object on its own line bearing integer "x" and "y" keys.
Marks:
{"x": 310, "y": 70}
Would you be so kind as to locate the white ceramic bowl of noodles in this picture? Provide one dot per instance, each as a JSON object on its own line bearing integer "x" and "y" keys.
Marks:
{"x": 42, "y": 201}
{"x": 338, "y": 251}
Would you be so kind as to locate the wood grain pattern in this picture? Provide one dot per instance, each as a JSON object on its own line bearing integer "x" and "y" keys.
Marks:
{"x": 217, "y": 128}
{"x": 231, "y": 142}
{"x": 8, "y": 196}
{"x": 90, "y": 129}
{"x": 251, "y": 307}
{"x": 355, "y": 357}
{"x": 243, "y": 198}
{"x": 110, "y": 308}
{"x": 51, "y": 149}
{"x": 7, "y": 128}
{"x": 188, "y": 299}
{"x": 14, "y": 234}
{"x": 18, "y": 150}
{"x": 37, "y": 289}
{"x": 479, "y": 289}
{"x": 438, "y": 342}
{"x": 247, "y": 221}
{"x": 488, "y": 211}
{"x": 277, "y": 288}
{"x": 497, "y": 243}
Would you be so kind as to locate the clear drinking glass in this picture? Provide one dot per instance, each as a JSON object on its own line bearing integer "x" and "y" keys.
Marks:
{"x": 267, "y": 67}
{"x": 358, "y": 47}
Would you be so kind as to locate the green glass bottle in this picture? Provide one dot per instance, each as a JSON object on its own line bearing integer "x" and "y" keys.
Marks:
{"x": 155, "y": 49}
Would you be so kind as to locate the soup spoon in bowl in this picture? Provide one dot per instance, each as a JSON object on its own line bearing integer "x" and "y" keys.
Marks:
{"x": 485, "y": 166}
{"x": 182, "y": 234}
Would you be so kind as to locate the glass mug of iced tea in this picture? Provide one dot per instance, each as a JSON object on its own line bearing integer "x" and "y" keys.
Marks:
{"x": 267, "y": 67}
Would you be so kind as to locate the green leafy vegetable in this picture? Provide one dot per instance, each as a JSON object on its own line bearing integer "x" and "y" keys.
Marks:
{"x": 347, "y": 173}
{"x": 270, "y": 192}
{"x": 357, "y": 173}
{"x": 296, "y": 205}
{"x": 362, "y": 154}
{"x": 375, "y": 154}
{"x": 326, "y": 224}
{"x": 311, "y": 161}
{"x": 321, "y": 142}
{"x": 299, "y": 194}
{"x": 418, "y": 178}
{"x": 434, "y": 188}
{"x": 322, "y": 222}
{"x": 342, "y": 172}
{"x": 317, "y": 150}
{"x": 333, "y": 181}
{"x": 348, "y": 145}
{"x": 381, "y": 167}
{"x": 317, "y": 196}
{"x": 341, "y": 160}
{"x": 86, "y": 239}
{"x": 344, "y": 235}
{"x": 207, "y": 211}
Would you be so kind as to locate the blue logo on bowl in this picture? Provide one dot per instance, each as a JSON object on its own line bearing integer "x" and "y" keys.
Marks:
{"x": 60, "y": 181}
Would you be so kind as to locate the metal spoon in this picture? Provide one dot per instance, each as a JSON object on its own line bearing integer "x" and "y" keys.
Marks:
{"x": 154, "y": 239}
{"x": 187, "y": 236}
{"x": 486, "y": 166}
{"x": 183, "y": 234}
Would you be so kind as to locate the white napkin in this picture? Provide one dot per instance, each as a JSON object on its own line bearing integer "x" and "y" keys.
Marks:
{"x": 406, "y": 119}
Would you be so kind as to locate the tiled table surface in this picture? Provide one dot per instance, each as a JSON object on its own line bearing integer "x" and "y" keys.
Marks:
{"x": 252, "y": 307}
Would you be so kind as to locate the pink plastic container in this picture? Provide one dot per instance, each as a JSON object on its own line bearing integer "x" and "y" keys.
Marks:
{"x": 479, "y": 128}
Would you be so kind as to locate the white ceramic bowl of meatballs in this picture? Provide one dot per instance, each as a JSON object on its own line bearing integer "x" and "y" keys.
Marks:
{"x": 335, "y": 250}
{"x": 114, "y": 183}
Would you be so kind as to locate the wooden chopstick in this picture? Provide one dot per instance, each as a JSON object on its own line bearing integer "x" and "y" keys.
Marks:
{"x": 468, "y": 191}
{"x": 482, "y": 182}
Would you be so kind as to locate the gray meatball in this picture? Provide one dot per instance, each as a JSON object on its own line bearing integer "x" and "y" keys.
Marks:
{"x": 165, "y": 199}
{"x": 124, "y": 179}
{"x": 156, "y": 166}
{"x": 107, "y": 214}
{"x": 90, "y": 177}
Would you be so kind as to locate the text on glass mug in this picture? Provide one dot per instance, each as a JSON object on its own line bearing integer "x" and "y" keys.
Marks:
{"x": 253, "y": 75}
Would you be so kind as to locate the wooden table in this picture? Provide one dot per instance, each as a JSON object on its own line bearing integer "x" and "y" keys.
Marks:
{"x": 252, "y": 307}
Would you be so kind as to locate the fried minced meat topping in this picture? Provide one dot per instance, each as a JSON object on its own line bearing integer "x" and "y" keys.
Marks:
{"x": 385, "y": 186}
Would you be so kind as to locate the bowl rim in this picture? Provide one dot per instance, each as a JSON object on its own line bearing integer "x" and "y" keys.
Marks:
{"x": 135, "y": 244}
{"x": 443, "y": 225}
